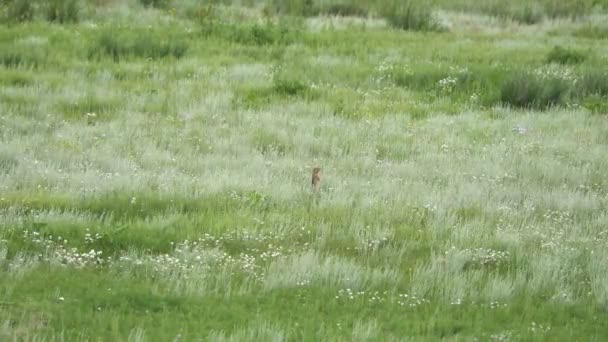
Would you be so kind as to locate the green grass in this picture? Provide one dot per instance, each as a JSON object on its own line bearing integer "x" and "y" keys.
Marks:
{"x": 565, "y": 56}
{"x": 156, "y": 158}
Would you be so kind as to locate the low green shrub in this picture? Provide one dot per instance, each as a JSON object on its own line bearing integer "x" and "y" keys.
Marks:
{"x": 14, "y": 56}
{"x": 63, "y": 11}
{"x": 17, "y": 10}
{"x": 424, "y": 78}
{"x": 289, "y": 87}
{"x": 572, "y": 9}
{"x": 8, "y": 161}
{"x": 524, "y": 90}
{"x": 542, "y": 88}
{"x": 523, "y": 13}
{"x": 162, "y": 4}
{"x": 303, "y": 8}
{"x": 345, "y": 9}
{"x": 16, "y": 78}
{"x": 471, "y": 84}
{"x": 91, "y": 107}
{"x": 592, "y": 32}
{"x": 592, "y": 83}
{"x": 280, "y": 89}
{"x": 145, "y": 44}
{"x": 596, "y": 104}
{"x": 526, "y": 14}
{"x": 251, "y": 34}
{"x": 307, "y": 8}
{"x": 60, "y": 11}
{"x": 199, "y": 13}
{"x": 267, "y": 142}
{"x": 562, "y": 55}
{"x": 257, "y": 34}
{"x": 411, "y": 16}
{"x": 285, "y": 85}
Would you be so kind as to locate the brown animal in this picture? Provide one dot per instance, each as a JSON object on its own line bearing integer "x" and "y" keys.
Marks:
{"x": 316, "y": 179}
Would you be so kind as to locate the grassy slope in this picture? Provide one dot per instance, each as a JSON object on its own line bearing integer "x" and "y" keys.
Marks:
{"x": 190, "y": 173}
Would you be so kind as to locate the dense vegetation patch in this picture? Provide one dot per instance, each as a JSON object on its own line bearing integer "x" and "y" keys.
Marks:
{"x": 565, "y": 56}
{"x": 137, "y": 43}
{"x": 156, "y": 160}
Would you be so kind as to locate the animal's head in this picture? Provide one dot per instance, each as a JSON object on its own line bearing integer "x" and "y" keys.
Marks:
{"x": 316, "y": 170}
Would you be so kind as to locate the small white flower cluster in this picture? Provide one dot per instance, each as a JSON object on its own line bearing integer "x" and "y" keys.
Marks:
{"x": 601, "y": 238}
{"x": 493, "y": 179}
{"x": 502, "y": 336}
{"x": 481, "y": 256}
{"x": 536, "y": 328}
{"x": 553, "y": 242}
{"x": 322, "y": 85}
{"x": 276, "y": 70}
{"x": 208, "y": 253}
{"x": 384, "y": 67}
{"x": 430, "y": 207}
{"x": 554, "y": 71}
{"x": 303, "y": 283}
{"x": 183, "y": 264}
{"x": 495, "y": 305}
{"x": 55, "y": 250}
{"x": 377, "y": 297}
{"x": 455, "y": 69}
{"x": 401, "y": 299}
{"x": 372, "y": 244}
{"x": 266, "y": 245}
{"x": 273, "y": 252}
{"x": 72, "y": 257}
{"x": 519, "y": 129}
{"x": 45, "y": 241}
{"x": 488, "y": 256}
{"x": 474, "y": 97}
{"x": 410, "y": 300}
{"x": 491, "y": 305}
{"x": 248, "y": 265}
{"x": 457, "y": 301}
{"x": 383, "y": 72}
{"x": 573, "y": 105}
{"x": 349, "y": 294}
{"x": 551, "y": 234}
{"x": 559, "y": 217}
{"x": 89, "y": 238}
{"x": 447, "y": 84}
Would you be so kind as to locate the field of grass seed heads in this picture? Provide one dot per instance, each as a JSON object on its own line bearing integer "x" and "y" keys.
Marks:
{"x": 156, "y": 159}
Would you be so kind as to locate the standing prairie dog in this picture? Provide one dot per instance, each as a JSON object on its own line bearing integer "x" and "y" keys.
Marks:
{"x": 316, "y": 178}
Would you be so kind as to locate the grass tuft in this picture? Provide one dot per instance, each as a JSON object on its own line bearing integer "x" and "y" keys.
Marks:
{"x": 142, "y": 44}
{"x": 63, "y": 11}
{"x": 592, "y": 82}
{"x": 563, "y": 55}
{"x": 524, "y": 90}
{"x": 592, "y": 32}
{"x": 161, "y": 4}
{"x": 21, "y": 57}
{"x": 270, "y": 143}
{"x": 346, "y": 9}
{"x": 303, "y": 8}
{"x": 164, "y": 196}
{"x": 411, "y": 16}
{"x": 18, "y": 10}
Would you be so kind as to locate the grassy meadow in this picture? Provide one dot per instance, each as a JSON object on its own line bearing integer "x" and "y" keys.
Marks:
{"x": 156, "y": 159}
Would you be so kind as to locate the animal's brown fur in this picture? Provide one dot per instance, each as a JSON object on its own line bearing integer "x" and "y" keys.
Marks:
{"x": 316, "y": 179}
